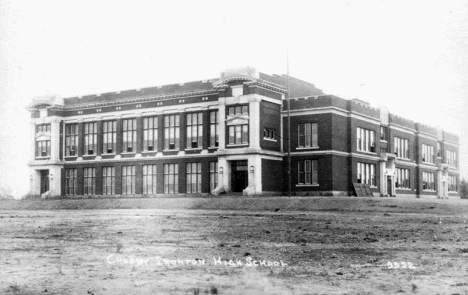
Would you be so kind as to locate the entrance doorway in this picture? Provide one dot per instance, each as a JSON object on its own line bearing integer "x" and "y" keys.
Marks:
{"x": 239, "y": 176}
{"x": 44, "y": 181}
{"x": 389, "y": 186}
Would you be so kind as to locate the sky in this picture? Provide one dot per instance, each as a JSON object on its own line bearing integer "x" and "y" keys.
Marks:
{"x": 409, "y": 56}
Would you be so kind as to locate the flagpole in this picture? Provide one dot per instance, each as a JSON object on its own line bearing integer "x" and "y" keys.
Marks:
{"x": 289, "y": 123}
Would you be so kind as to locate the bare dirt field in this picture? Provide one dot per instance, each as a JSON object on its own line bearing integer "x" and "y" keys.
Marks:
{"x": 235, "y": 246}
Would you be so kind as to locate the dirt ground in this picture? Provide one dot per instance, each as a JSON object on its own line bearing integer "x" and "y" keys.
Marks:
{"x": 332, "y": 246}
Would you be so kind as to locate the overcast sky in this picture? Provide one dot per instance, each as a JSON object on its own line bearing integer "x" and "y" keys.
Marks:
{"x": 410, "y": 56}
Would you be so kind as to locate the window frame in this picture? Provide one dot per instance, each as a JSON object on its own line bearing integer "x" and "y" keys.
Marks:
{"x": 90, "y": 138}
{"x": 89, "y": 181}
{"x": 129, "y": 135}
{"x": 214, "y": 128}
{"x": 108, "y": 180}
{"x": 366, "y": 173}
{"x": 403, "y": 178}
{"x": 172, "y": 132}
{"x": 194, "y": 130}
{"x": 171, "y": 177}
{"x": 109, "y": 137}
{"x": 71, "y": 140}
{"x": 128, "y": 178}
{"x": 150, "y": 179}
{"x": 307, "y": 135}
{"x": 307, "y": 173}
{"x": 71, "y": 180}
{"x": 365, "y": 140}
{"x": 150, "y": 134}
{"x": 193, "y": 176}
{"x": 239, "y": 134}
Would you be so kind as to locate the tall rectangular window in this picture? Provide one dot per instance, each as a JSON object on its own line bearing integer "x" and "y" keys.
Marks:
{"x": 129, "y": 135}
{"x": 307, "y": 172}
{"x": 213, "y": 175}
{"x": 439, "y": 149}
{"x": 239, "y": 134}
{"x": 171, "y": 178}
{"x": 402, "y": 178}
{"x": 428, "y": 181}
{"x": 365, "y": 140}
{"x": 108, "y": 180}
{"x": 171, "y": 132}
{"x": 89, "y": 177}
{"x": 43, "y": 145}
{"x": 128, "y": 180}
{"x": 452, "y": 186}
{"x": 43, "y": 148}
{"x": 149, "y": 179}
{"x": 150, "y": 134}
{"x": 428, "y": 153}
{"x": 71, "y": 140}
{"x": 383, "y": 133}
{"x": 90, "y": 138}
{"x": 70, "y": 182}
{"x": 366, "y": 174}
{"x": 214, "y": 129}
{"x": 401, "y": 147}
{"x": 193, "y": 177}
{"x": 307, "y": 134}
{"x": 194, "y": 130}
{"x": 451, "y": 158}
{"x": 109, "y": 131}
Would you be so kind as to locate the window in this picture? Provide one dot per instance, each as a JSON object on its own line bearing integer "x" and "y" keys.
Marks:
{"x": 308, "y": 136}
{"x": 402, "y": 178}
{"x": 213, "y": 175}
{"x": 401, "y": 148}
{"x": 149, "y": 179}
{"x": 90, "y": 138}
{"x": 89, "y": 177}
{"x": 452, "y": 185}
{"x": 108, "y": 137}
{"x": 365, "y": 140}
{"x": 307, "y": 172}
{"x": 383, "y": 133}
{"x": 269, "y": 134}
{"x": 239, "y": 134}
{"x": 108, "y": 180}
{"x": 71, "y": 139}
{"x": 214, "y": 129}
{"x": 428, "y": 181}
{"x": 428, "y": 153}
{"x": 193, "y": 178}
{"x": 366, "y": 174}
{"x": 43, "y": 128}
{"x": 171, "y": 132}
{"x": 238, "y": 110}
{"x": 43, "y": 148}
{"x": 451, "y": 158}
{"x": 194, "y": 130}
{"x": 150, "y": 134}
{"x": 171, "y": 178}
{"x": 128, "y": 180}
{"x": 439, "y": 149}
{"x": 129, "y": 135}
{"x": 70, "y": 182}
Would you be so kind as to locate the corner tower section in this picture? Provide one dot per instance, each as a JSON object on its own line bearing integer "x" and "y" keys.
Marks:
{"x": 45, "y": 165}
{"x": 250, "y": 156}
